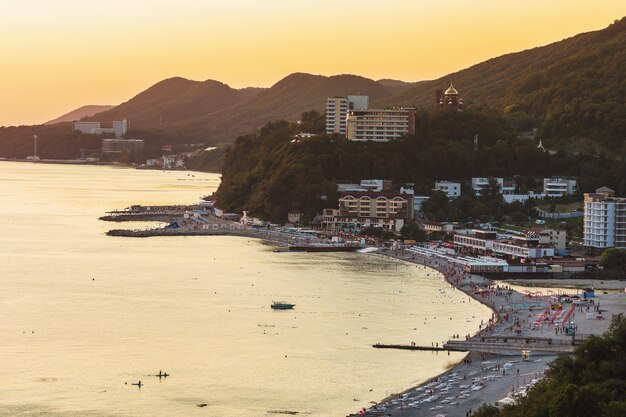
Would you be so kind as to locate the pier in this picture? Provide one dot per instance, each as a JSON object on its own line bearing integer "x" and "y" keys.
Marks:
{"x": 422, "y": 348}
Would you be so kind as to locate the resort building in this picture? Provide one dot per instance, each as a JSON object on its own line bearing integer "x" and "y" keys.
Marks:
{"x": 604, "y": 222}
{"x": 337, "y": 109}
{"x": 358, "y": 210}
{"x": 558, "y": 187}
{"x": 526, "y": 246}
{"x": 380, "y": 125}
{"x": 451, "y": 189}
{"x": 122, "y": 145}
{"x": 119, "y": 129}
{"x": 448, "y": 100}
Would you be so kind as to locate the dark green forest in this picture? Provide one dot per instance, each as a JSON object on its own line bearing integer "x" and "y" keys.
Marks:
{"x": 271, "y": 173}
{"x": 591, "y": 382}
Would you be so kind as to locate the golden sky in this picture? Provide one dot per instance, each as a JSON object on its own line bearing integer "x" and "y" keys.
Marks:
{"x": 58, "y": 55}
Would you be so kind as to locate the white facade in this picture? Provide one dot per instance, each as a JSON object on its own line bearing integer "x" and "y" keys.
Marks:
{"x": 504, "y": 186}
{"x": 510, "y": 198}
{"x": 558, "y": 187}
{"x": 87, "y": 127}
{"x": 337, "y": 109}
{"x": 451, "y": 189}
{"x": 527, "y": 246}
{"x": 120, "y": 127}
{"x": 604, "y": 223}
{"x": 380, "y": 125}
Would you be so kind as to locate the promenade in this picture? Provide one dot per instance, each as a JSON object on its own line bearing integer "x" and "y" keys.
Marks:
{"x": 494, "y": 371}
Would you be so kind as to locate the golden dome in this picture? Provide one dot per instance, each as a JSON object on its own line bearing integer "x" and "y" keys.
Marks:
{"x": 451, "y": 91}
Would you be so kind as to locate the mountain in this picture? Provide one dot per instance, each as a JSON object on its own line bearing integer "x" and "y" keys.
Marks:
{"x": 575, "y": 87}
{"x": 79, "y": 113}
{"x": 394, "y": 86}
{"x": 172, "y": 100}
{"x": 287, "y": 99}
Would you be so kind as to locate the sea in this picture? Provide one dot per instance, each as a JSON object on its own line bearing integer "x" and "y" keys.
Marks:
{"x": 84, "y": 316}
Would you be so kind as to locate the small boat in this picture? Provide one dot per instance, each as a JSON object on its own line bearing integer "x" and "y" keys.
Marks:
{"x": 279, "y": 305}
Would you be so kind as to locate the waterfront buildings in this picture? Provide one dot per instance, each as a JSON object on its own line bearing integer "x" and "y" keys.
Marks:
{"x": 358, "y": 210}
{"x": 526, "y": 246}
{"x": 558, "y": 187}
{"x": 122, "y": 145}
{"x": 604, "y": 222}
{"x": 451, "y": 189}
{"x": 380, "y": 125}
{"x": 337, "y": 109}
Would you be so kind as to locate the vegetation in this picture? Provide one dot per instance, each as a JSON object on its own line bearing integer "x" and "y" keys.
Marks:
{"x": 591, "y": 382}
{"x": 572, "y": 90}
{"x": 271, "y": 173}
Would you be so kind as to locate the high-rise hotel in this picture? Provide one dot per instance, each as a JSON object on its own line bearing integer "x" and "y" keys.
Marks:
{"x": 351, "y": 117}
{"x": 604, "y": 223}
{"x": 337, "y": 109}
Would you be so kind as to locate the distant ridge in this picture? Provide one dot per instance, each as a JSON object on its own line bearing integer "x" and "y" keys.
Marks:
{"x": 84, "y": 111}
{"x": 575, "y": 87}
{"x": 172, "y": 100}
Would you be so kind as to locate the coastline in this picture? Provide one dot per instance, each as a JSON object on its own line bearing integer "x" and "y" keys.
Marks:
{"x": 497, "y": 377}
{"x": 480, "y": 370}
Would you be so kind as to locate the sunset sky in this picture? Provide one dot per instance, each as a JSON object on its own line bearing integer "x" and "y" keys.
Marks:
{"x": 58, "y": 55}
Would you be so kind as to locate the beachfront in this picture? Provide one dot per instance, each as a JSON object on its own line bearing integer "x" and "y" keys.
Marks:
{"x": 520, "y": 322}
{"x": 493, "y": 372}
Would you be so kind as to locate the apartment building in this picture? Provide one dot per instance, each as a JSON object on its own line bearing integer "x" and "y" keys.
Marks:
{"x": 558, "y": 187}
{"x": 604, "y": 221}
{"x": 337, "y": 109}
{"x": 380, "y": 125}
{"x": 505, "y": 186}
{"x": 451, "y": 189}
{"x": 358, "y": 210}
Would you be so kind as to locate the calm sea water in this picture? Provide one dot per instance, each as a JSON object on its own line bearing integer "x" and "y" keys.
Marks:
{"x": 83, "y": 314}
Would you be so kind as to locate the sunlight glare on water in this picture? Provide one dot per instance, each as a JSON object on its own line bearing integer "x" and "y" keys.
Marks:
{"x": 83, "y": 315}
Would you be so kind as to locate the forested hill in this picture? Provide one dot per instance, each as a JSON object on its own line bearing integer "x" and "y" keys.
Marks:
{"x": 271, "y": 173}
{"x": 173, "y": 100}
{"x": 286, "y": 99}
{"x": 575, "y": 87}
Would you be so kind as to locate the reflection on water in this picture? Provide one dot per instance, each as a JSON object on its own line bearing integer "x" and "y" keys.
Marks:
{"x": 84, "y": 315}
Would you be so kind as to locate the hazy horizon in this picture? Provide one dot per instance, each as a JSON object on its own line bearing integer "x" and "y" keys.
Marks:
{"x": 64, "y": 55}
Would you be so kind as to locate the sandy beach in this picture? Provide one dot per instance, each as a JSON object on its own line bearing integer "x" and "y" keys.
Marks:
{"x": 493, "y": 378}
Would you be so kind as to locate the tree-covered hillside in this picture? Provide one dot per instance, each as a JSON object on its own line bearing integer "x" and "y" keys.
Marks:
{"x": 271, "y": 172}
{"x": 575, "y": 87}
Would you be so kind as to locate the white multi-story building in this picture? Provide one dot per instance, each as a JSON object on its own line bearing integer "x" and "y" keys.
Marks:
{"x": 604, "y": 222}
{"x": 451, "y": 189}
{"x": 337, "y": 109}
{"x": 558, "y": 187}
{"x": 120, "y": 127}
{"x": 505, "y": 186}
{"x": 527, "y": 246}
{"x": 380, "y": 125}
